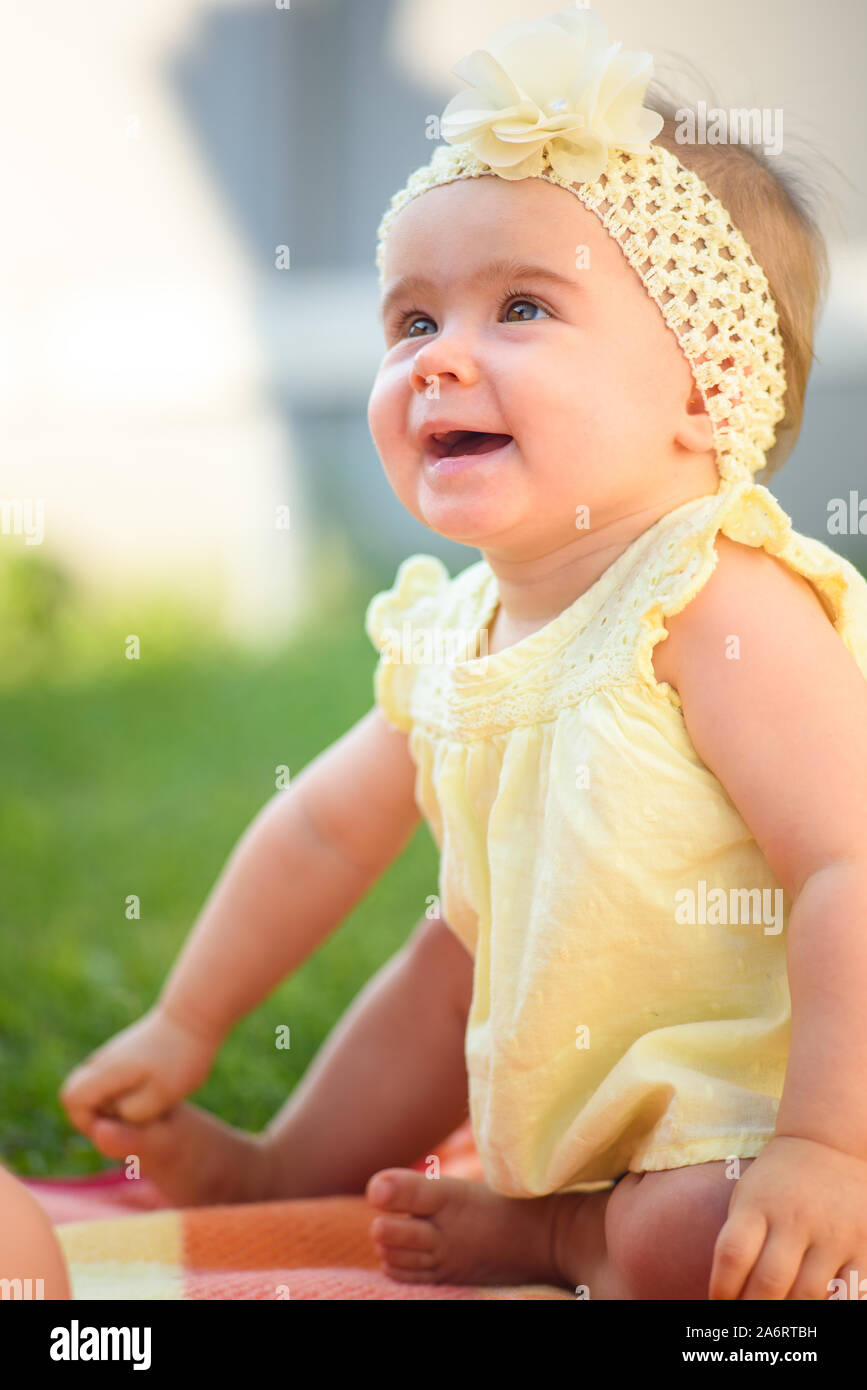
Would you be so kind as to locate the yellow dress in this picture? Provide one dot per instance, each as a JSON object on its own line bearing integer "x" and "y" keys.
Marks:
{"x": 630, "y": 1005}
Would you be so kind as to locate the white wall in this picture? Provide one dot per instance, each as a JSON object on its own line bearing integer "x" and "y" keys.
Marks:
{"x": 131, "y": 371}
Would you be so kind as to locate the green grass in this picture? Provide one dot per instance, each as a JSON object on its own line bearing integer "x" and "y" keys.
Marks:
{"x": 138, "y": 778}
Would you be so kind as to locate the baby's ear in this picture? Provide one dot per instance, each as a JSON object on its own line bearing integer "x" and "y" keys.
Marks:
{"x": 695, "y": 430}
{"x": 695, "y": 405}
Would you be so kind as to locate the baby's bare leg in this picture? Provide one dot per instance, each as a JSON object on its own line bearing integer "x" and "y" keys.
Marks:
{"x": 390, "y": 1080}
{"x": 656, "y": 1238}
{"x": 388, "y": 1083}
{"x": 652, "y": 1236}
{"x": 31, "y": 1260}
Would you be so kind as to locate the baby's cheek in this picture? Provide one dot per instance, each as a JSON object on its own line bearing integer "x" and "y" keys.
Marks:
{"x": 380, "y": 412}
{"x": 393, "y": 409}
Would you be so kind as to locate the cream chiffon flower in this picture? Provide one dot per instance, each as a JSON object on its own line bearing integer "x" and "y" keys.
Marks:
{"x": 555, "y": 87}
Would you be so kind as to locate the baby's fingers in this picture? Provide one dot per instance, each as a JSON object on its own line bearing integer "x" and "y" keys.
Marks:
{"x": 824, "y": 1275}
{"x": 145, "y": 1103}
{"x": 777, "y": 1267}
{"x": 91, "y": 1087}
{"x": 736, "y": 1251}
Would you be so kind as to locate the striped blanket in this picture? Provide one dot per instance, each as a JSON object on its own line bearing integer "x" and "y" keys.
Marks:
{"x": 122, "y": 1240}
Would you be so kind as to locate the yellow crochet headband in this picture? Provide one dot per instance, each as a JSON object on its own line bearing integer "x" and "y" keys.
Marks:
{"x": 554, "y": 100}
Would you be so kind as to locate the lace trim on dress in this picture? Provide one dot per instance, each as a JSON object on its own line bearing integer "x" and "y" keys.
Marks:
{"x": 750, "y": 514}
{"x": 413, "y": 600}
{"x": 603, "y": 640}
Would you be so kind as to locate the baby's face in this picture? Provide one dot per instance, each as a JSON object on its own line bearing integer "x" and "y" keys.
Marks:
{"x": 577, "y": 365}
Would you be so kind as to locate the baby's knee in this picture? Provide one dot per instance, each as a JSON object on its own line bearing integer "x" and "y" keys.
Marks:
{"x": 31, "y": 1260}
{"x": 662, "y": 1232}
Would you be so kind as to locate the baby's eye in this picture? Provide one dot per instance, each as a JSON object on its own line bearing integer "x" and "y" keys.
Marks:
{"x": 409, "y": 320}
{"x": 412, "y": 317}
{"x": 524, "y": 299}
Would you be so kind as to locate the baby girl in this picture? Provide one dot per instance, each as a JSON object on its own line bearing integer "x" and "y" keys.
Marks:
{"x": 650, "y": 958}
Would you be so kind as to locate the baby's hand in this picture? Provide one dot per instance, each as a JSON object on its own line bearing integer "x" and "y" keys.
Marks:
{"x": 797, "y": 1219}
{"x": 139, "y": 1073}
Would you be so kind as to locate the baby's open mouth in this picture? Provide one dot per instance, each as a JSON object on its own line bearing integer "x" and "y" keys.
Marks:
{"x": 460, "y": 442}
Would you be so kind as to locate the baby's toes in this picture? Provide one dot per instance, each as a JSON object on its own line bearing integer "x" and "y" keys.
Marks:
{"x": 397, "y": 1263}
{"x": 405, "y": 1190}
{"x": 396, "y": 1233}
{"x": 114, "y": 1138}
{"x": 153, "y": 1143}
{"x": 406, "y": 1246}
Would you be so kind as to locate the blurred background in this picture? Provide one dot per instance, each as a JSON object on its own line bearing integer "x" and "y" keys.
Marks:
{"x": 192, "y": 191}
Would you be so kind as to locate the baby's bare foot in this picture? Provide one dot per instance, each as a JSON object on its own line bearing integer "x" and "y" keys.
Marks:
{"x": 450, "y": 1230}
{"x": 193, "y": 1158}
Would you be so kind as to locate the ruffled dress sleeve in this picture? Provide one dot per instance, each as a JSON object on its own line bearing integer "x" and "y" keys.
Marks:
{"x": 398, "y": 621}
{"x": 746, "y": 512}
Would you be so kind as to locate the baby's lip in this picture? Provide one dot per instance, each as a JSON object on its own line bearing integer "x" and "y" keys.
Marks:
{"x": 440, "y": 440}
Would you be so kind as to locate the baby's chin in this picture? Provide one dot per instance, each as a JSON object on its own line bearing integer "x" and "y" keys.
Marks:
{"x": 471, "y": 517}
{"x": 476, "y": 504}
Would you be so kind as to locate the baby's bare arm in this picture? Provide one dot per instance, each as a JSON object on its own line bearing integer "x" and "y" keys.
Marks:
{"x": 305, "y": 861}
{"x": 784, "y": 728}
